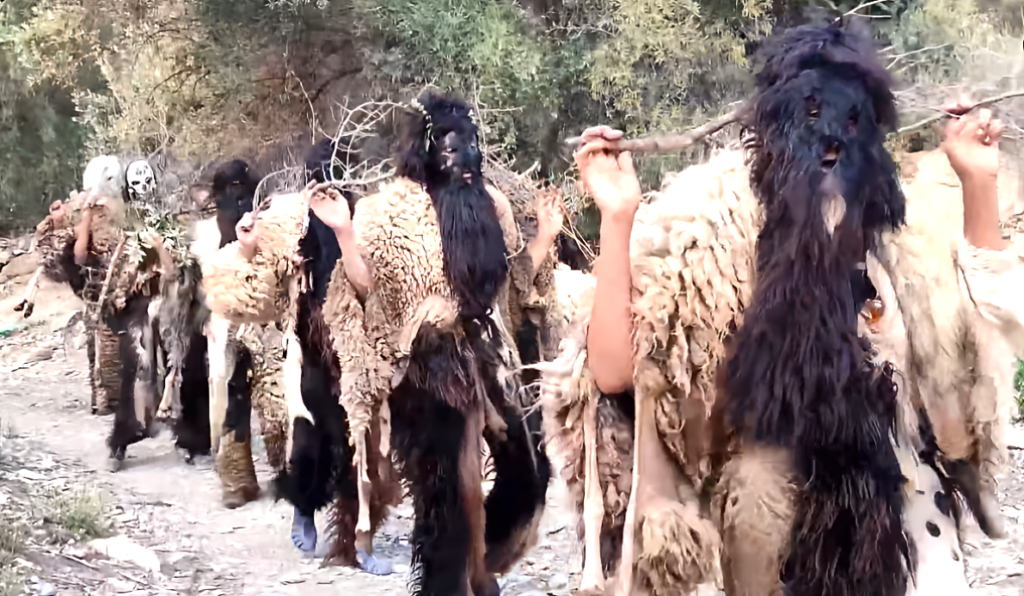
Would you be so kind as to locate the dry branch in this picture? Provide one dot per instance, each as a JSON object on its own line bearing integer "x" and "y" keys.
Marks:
{"x": 944, "y": 114}
{"x": 675, "y": 143}
{"x": 669, "y": 143}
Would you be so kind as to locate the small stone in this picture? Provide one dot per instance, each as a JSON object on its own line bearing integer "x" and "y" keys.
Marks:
{"x": 558, "y": 581}
{"x": 45, "y": 589}
{"x": 292, "y": 578}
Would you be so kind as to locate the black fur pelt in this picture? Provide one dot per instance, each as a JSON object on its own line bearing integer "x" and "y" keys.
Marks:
{"x": 132, "y": 324}
{"x": 440, "y": 151}
{"x": 234, "y": 189}
{"x": 800, "y": 376}
{"x": 238, "y": 417}
{"x": 192, "y": 429}
{"x": 320, "y": 463}
{"x": 522, "y": 468}
{"x": 522, "y": 472}
{"x": 426, "y": 435}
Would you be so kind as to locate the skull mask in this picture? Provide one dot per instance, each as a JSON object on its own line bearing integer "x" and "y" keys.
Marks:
{"x": 140, "y": 180}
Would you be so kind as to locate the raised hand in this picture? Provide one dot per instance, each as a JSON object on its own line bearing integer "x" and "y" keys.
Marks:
{"x": 550, "y": 213}
{"x": 972, "y": 142}
{"x": 607, "y": 175}
{"x": 332, "y": 208}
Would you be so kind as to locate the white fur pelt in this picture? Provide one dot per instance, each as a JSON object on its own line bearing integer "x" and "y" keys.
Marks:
{"x": 955, "y": 365}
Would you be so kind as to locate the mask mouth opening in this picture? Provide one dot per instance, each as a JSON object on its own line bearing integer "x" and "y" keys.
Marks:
{"x": 831, "y": 157}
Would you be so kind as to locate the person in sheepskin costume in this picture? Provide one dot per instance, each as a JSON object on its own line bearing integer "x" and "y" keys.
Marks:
{"x": 670, "y": 297}
{"x": 417, "y": 312}
{"x": 440, "y": 248}
{"x": 98, "y": 215}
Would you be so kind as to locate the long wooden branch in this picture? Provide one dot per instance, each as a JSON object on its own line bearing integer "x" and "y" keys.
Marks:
{"x": 943, "y": 114}
{"x": 669, "y": 143}
{"x": 110, "y": 275}
{"x": 675, "y": 143}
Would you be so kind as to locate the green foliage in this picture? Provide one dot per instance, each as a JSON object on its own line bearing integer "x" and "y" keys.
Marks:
{"x": 1018, "y": 388}
{"x": 12, "y": 542}
{"x": 82, "y": 512}
{"x": 206, "y": 77}
{"x": 41, "y": 146}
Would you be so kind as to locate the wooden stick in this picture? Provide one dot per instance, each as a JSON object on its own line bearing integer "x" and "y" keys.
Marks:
{"x": 944, "y": 114}
{"x": 110, "y": 275}
{"x": 669, "y": 143}
{"x": 675, "y": 143}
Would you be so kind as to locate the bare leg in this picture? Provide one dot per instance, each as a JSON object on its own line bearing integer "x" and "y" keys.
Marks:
{"x": 471, "y": 477}
{"x": 656, "y": 484}
{"x": 364, "y": 527}
{"x": 221, "y": 365}
{"x": 593, "y": 504}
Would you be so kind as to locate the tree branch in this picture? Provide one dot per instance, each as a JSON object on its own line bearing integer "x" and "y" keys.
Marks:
{"x": 669, "y": 143}
{"x": 944, "y": 114}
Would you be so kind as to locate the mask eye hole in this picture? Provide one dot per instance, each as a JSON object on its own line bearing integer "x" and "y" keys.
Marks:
{"x": 813, "y": 107}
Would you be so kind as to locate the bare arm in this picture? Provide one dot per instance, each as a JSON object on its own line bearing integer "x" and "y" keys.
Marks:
{"x": 82, "y": 237}
{"x": 610, "y": 337}
{"x": 333, "y": 210}
{"x": 549, "y": 225}
{"x": 981, "y": 213}
{"x": 972, "y": 145}
{"x": 356, "y": 271}
{"x": 608, "y": 176}
{"x": 539, "y": 247}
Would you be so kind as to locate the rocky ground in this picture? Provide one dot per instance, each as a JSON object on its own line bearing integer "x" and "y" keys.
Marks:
{"x": 167, "y": 532}
{"x": 171, "y": 534}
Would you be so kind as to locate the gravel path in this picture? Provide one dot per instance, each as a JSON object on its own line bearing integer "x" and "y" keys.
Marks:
{"x": 173, "y": 509}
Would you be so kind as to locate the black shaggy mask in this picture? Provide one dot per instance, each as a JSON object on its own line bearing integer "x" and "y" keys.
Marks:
{"x": 440, "y": 151}
{"x": 234, "y": 188}
{"x": 821, "y": 112}
{"x": 800, "y": 376}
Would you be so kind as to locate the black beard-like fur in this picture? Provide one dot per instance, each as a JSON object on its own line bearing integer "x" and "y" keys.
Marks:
{"x": 800, "y": 377}
{"x": 472, "y": 243}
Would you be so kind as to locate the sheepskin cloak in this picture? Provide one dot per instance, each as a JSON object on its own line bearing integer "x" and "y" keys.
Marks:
{"x": 692, "y": 257}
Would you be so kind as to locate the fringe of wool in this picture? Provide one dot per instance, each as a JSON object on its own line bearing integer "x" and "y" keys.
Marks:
{"x": 235, "y": 467}
{"x": 692, "y": 254}
{"x": 266, "y": 344}
{"x": 678, "y": 550}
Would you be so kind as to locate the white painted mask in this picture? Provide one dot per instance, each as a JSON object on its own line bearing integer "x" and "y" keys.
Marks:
{"x": 141, "y": 180}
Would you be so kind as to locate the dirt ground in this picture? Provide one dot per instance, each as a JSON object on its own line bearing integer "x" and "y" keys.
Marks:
{"x": 180, "y": 540}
